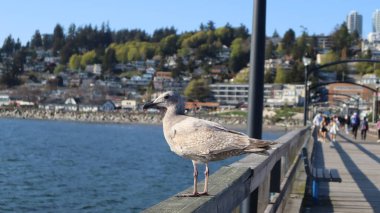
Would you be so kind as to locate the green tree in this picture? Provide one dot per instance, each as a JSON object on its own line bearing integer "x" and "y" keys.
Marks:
{"x": 36, "y": 41}
{"x": 239, "y": 57}
{"x": 168, "y": 45}
{"x": 8, "y": 45}
{"x": 47, "y": 41}
{"x": 75, "y": 61}
{"x": 341, "y": 41}
{"x": 109, "y": 60}
{"x": 197, "y": 89}
{"x": 269, "y": 76}
{"x": 280, "y": 75}
{"x": 59, "y": 68}
{"x": 88, "y": 58}
{"x": 269, "y": 50}
{"x": 242, "y": 77}
{"x": 14, "y": 68}
{"x": 288, "y": 40}
{"x": 58, "y": 39}
{"x": 225, "y": 34}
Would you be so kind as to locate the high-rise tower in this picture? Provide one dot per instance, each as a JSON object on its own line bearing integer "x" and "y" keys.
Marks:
{"x": 376, "y": 21}
{"x": 355, "y": 22}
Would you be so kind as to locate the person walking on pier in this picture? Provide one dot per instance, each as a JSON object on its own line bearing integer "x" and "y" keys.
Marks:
{"x": 355, "y": 122}
{"x": 317, "y": 123}
{"x": 364, "y": 128}
{"x": 346, "y": 123}
{"x": 324, "y": 129}
{"x": 334, "y": 128}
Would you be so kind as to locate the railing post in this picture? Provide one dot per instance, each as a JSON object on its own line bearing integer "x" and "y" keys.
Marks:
{"x": 250, "y": 203}
{"x": 275, "y": 177}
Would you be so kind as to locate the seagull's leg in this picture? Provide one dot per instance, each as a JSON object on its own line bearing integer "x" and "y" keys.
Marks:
{"x": 195, "y": 191}
{"x": 205, "y": 189}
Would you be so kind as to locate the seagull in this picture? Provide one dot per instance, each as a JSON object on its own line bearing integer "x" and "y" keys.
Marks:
{"x": 200, "y": 140}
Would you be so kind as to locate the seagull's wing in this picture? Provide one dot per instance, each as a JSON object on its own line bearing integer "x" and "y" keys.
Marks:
{"x": 208, "y": 139}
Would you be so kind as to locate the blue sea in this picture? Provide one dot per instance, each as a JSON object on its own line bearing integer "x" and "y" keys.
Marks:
{"x": 58, "y": 166}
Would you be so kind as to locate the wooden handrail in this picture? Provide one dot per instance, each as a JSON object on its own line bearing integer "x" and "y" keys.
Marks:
{"x": 230, "y": 185}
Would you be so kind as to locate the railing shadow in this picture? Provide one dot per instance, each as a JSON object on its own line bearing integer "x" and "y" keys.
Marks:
{"x": 366, "y": 186}
{"x": 361, "y": 148}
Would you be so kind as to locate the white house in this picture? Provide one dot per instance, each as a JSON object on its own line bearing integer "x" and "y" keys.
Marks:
{"x": 129, "y": 104}
{"x": 4, "y": 100}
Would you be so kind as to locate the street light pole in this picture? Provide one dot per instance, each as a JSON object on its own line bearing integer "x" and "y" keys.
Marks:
{"x": 376, "y": 109}
{"x": 305, "y": 100}
{"x": 306, "y": 61}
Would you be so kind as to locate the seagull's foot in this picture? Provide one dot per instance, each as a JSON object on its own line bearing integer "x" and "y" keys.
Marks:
{"x": 194, "y": 194}
{"x": 203, "y": 194}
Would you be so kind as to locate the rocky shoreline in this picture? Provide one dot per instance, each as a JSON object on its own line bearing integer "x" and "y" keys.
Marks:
{"x": 125, "y": 117}
{"x": 107, "y": 117}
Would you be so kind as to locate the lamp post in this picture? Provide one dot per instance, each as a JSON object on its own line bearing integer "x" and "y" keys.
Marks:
{"x": 376, "y": 107}
{"x": 306, "y": 62}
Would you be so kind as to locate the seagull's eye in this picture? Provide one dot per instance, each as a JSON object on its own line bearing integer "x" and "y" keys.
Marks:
{"x": 166, "y": 96}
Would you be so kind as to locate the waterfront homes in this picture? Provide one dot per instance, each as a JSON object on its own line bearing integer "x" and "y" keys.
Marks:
{"x": 4, "y": 100}
{"x": 275, "y": 95}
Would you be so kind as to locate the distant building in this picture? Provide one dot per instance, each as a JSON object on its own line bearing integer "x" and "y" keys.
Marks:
{"x": 358, "y": 92}
{"x": 355, "y": 22}
{"x": 230, "y": 94}
{"x": 370, "y": 79}
{"x": 275, "y": 95}
{"x": 129, "y": 104}
{"x": 376, "y": 21}
{"x": 4, "y": 100}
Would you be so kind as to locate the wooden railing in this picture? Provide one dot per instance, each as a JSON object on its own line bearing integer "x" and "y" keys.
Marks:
{"x": 267, "y": 179}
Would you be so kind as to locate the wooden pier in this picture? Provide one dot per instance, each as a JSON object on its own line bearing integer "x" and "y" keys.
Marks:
{"x": 279, "y": 180}
{"x": 358, "y": 163}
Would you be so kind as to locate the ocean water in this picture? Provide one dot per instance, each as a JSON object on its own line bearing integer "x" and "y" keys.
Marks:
{"x": 58, "y": 166}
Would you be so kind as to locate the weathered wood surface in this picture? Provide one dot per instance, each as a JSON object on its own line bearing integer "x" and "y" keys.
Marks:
{"x": 359, "y": 166}
{"x": 229, "y": 186}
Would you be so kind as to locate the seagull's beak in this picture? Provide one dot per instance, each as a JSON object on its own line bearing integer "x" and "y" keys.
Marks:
{"x": 149, "y": 105}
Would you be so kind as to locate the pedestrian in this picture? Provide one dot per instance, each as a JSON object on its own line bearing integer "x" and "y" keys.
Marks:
{"x": 324, "y": 129}
{"x": 346, "y": 123}
{"x": 317, "y": 123}
{"x": 364, "y": 128}
{"x": 355, "y": 122}
{"x": 334, "y": 128}
{"x": 378, "y": 130}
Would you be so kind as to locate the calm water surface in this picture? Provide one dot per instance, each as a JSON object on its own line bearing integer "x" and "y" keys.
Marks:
{"x": 56, "y": 166}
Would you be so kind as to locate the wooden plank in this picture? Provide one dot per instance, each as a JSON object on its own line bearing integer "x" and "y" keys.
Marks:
{"x": 320, "y": 174}
{"x": 228, "y": 188}
{"x": 326, "y": 174}
{"x": 314, "y": 172}
{"x": 335, "y": 177}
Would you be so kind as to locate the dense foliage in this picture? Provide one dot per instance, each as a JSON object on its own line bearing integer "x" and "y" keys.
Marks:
{"x": 80, "y": 46}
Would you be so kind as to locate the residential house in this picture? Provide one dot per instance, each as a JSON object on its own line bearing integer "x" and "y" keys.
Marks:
{"x": 370, "y": 79}
{"x": 224, "y": 53}
{"x": 160, "y": 79}
{"x": 71, "y": 104}
{"x": 56, "y": 104}
{"x": 218, "y": 71}
{"x": 108, "y": 106}
{"x": 129, "y": 104}
{"x": 94, "y": 69}
{"x": 4, "y": 100}
{"x": 196, "y": 105}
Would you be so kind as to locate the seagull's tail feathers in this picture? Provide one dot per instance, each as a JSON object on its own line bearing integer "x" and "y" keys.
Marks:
{"x": 258, "y": 146}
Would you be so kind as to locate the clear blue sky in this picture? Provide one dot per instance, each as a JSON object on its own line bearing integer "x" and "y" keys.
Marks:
{"x": 21, "y": 18}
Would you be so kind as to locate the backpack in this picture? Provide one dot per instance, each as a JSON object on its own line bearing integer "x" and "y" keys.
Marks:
{"x": 353, "y": 121}
{"x": 364, "y": 125}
